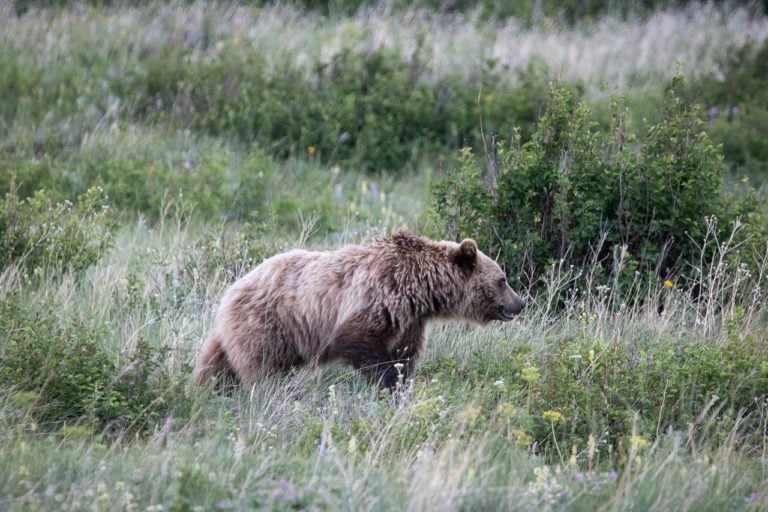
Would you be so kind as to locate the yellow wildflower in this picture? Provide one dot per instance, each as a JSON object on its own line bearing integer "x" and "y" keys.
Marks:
{"x": 522, "y": 438}
{"x": 311, "y": 150}
{"x": 553, "y": 416}
{"x": 470, "y": 414}
{"x": 530, "y": 374}
{"x": 668, "y": 284}
{"x": 505, "y": 409}
{"x": 639, "y": 442}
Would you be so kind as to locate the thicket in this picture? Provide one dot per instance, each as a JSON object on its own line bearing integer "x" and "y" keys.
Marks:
{"x": 611, "y": 202}
{"x": 368, "y": 110}
{"x": 59, "y": 375}
{"x": 39, "y": 233}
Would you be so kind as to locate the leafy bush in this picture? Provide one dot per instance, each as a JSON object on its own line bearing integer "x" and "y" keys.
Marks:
{"x": 579, "y": 387}
{"x": 609, "y": 200}
{"x": 61, "y": 374}
{"x": 372, "y": 110}
{"x": 36, "y": 232}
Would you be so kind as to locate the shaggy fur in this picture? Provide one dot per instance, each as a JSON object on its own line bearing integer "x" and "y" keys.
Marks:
{"x": 365, "y": 305}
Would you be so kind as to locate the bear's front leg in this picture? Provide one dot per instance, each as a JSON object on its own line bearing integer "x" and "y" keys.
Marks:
{"x": 364, "y": 347}
{"x": 408, "y": 347}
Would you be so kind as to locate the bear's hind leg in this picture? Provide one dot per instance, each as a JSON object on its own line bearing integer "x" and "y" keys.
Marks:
{"x": 213, "y": 366}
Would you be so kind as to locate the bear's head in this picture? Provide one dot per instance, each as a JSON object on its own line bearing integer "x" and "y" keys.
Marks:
{"x": 487, "y": 295}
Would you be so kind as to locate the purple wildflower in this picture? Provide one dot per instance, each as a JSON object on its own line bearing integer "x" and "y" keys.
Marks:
{"x": 735, "y": 109}
{"x": 714, "y": 111}
{"x": 374, "y": 189}
{"x": 579, "y": 475}
{"x": 753, "y": 496}
{"x": 613, "y": 475}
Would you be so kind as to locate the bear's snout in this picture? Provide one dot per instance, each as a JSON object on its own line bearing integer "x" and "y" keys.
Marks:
{"x": 511, "y": 309}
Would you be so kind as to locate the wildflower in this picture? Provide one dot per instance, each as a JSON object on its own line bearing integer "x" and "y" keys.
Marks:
{"x": 735, "y": 109}
{"x": 522, "y": 438}
{"x": 714, "y": 112}
{"x": 668, "y": 284}
{"x": 470, "y": 414}
{"x": 553, "y": 416}
{"x": 505, "y": 409}
{"x": 530, "y": 374}
{"x": 311, "y": 150}
{"x": 499, "y": 384}
{"x": 613, "y": 475}
{"x": 753, "y": 496}
{"x": 639, "y": 442}
{"x": 579, "y": 475}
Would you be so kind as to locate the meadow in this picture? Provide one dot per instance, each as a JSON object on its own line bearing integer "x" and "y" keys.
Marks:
{"x": 153, "y": 152}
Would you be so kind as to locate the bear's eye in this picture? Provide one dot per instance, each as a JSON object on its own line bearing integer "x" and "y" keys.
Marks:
{"x": 502, "y": 282}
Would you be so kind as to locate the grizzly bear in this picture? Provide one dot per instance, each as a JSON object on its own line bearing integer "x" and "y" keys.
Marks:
{"x": 365, "y": 305}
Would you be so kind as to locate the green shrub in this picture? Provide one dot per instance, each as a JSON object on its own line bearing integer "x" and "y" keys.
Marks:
{"x": 610, "y": 200}
{"x": 37, "y": 233}
{"x": 146, "y": 182}
{"x": 60, "y": 368}
{"x": 373, "y": 110}
{"x": 370, "y": 110}
{"x": 614, "y": 390}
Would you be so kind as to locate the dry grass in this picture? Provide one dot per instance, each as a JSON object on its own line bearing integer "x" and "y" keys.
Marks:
{"x": 633, "y": 54}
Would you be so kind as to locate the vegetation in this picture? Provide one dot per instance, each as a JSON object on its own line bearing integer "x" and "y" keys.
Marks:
{"x": 152, "y": 153}
{"x": 613, "y": 203}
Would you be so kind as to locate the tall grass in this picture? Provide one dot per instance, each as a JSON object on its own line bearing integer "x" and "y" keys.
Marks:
{"x": 589, "y": 401}
{"x": 467, "y": 433}
{"x": 637, "y": 53}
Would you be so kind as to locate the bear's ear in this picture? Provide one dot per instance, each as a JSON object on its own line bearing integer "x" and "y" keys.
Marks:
{"x": 466, "y": 254}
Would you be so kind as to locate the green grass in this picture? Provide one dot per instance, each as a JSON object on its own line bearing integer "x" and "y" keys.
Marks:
{"x": 470, "y": 432}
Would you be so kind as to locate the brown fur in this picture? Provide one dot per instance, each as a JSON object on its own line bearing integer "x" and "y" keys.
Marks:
{"x": 366, "y": 305}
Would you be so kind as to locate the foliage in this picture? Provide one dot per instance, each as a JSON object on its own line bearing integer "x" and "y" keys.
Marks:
{"x": 37, "y": 232}
{"x": 737, "y": 104}
{"x": 601, "y": 199}
{"x": 614, "y": 390}
{"x": 61, "y": 374}
{"x": 224, "y": 133}
{"x": 373, "y": 110}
